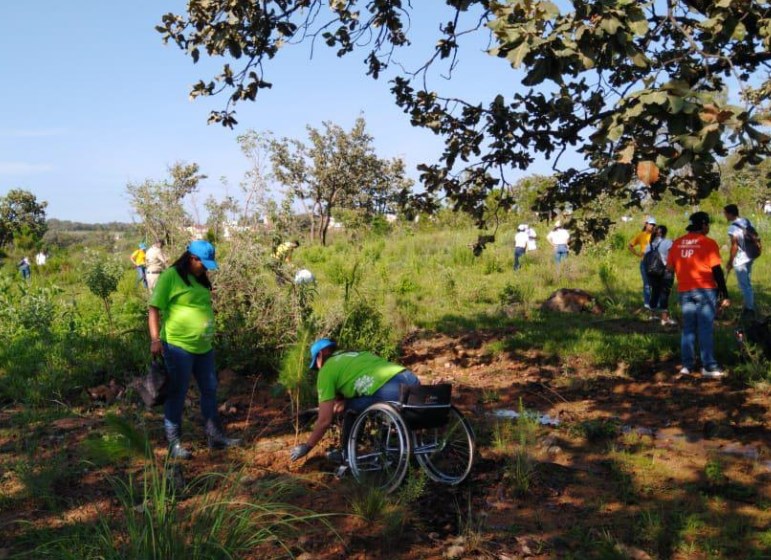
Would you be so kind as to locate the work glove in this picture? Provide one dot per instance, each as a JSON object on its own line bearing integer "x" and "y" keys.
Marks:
{"x": 299, "y": 451}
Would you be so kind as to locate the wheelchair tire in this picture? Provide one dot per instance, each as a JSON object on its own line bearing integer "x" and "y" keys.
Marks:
{"x": 379, "y": 447}
{"x": 446, "y": 453}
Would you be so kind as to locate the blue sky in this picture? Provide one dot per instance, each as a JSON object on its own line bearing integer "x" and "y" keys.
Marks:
{"x": 93, "y": 100}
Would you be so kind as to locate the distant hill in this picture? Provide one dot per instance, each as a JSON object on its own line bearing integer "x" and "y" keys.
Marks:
{"x": 67, "y": 225}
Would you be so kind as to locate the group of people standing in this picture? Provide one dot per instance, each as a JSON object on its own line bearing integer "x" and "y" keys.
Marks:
{"x": 149, "y": 263}
{"x": 525, "y": 241}
{"x": 694, "y": 261}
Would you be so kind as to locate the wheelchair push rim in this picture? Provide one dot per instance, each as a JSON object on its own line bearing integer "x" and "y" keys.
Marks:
{"x": 446, "y": 453}
{"x": 379, "y": 447}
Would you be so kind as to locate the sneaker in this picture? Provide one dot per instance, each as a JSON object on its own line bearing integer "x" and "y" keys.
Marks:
{"x": 685, "y": 371}
{"x": 713, "y": 374}
{"x": 341, "y": 471}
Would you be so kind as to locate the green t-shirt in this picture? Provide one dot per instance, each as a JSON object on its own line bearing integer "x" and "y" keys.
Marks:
{"x": 187, "y": 316}
{"x": 354, "y": 374}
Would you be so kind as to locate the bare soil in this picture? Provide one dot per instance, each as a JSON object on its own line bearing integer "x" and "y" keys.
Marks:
{"x": 627, "y": 469}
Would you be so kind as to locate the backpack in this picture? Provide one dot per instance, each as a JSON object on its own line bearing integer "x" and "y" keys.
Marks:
{"x": 752, "y": 245}
{"x": 653, "y": 264}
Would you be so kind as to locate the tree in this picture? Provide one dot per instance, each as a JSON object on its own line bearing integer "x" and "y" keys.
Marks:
{"x": 636, "y": 87}
{"x": 21, "y": 216}
{"x": 217, "y": 214}
{"x": 337, "y": 169}
{"x": 159, "y": 204}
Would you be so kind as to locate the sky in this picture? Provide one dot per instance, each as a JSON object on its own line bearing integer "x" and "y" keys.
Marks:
{"x": 92, "y": 100}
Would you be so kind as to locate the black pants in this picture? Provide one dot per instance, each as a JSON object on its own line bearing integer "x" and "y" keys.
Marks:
{"x": 661, "y": 286}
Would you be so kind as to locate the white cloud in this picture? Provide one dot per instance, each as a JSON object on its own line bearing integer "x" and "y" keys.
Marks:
{"x": 23, "y": 168}
{"x": 32, "y": 133}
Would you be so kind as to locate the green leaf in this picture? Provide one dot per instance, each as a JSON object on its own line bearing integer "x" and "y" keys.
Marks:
{"x": 676, "y": 103}
{"x": 517, "y": 55}
{"x": 610, "y": 25}
{"x": 740, "y": 32}
{"x": 639, "y": 26}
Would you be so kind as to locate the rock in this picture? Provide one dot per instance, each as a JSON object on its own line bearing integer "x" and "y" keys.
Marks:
{"x": 554, "y": 450}
{"x": 570, "y": 300}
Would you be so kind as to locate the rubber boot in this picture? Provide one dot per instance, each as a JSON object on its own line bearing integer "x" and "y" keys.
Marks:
{"x": 217, "y": 438}
{"x": 176, "y": 451}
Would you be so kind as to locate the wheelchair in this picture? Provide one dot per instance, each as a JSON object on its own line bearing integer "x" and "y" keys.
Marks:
{"x": 423, "y": 425}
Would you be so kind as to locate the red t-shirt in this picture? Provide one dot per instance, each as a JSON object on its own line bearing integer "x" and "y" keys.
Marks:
{"x": 693, "y": 256}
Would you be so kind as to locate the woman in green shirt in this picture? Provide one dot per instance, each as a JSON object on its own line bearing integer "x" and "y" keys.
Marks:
{"x": 181, "y": 323}
{"x": 350, "y": 381}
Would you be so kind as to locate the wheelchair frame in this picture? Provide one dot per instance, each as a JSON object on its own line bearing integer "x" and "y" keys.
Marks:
{"x": 382, "y": 442}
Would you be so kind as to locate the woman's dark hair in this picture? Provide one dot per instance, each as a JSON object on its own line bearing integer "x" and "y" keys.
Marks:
{"x": 660, "y": 231}
{"x": 182, "y": 264}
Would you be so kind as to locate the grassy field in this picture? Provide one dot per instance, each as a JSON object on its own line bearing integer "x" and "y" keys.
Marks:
{"x": 644, "y": 463}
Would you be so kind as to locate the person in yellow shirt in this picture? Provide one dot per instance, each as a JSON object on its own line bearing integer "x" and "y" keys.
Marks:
{"x": 138, "y": 259}
{"x": 637, "y": 247}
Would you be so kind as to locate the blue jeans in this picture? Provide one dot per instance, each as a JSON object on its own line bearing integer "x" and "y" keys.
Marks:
{"x": 743, "y": 277}
{"x": 388, "y": 392}
{"x": 646, "y": 285}
{"x": 181, "y": 364}
{"x": 698, "y": 308}
{"x": 141, "y": 276}
{"x": 560, "y": 253}
{"x": 518, "y": 254}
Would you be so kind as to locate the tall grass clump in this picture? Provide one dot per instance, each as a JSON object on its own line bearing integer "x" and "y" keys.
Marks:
{"x": 293, "y": 374}
{"x": 215, "y": 522}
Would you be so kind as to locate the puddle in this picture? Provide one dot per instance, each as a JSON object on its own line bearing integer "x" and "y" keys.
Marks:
{"x": 543, "y": 419}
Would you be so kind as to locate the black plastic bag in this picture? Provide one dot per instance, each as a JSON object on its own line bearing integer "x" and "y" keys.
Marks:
{"x": 154, "y": 386}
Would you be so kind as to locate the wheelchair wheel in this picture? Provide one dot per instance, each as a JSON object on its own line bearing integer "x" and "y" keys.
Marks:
{"x": 446, "y": 453}
{"x": 379, "y": 447}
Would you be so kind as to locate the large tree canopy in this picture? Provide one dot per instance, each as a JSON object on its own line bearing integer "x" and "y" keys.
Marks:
{"x": 21, "y": 216}
{"x": 657, "y": 92}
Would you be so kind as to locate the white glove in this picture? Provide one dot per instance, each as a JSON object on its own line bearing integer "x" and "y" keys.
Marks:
{"x": 299, "y": 451}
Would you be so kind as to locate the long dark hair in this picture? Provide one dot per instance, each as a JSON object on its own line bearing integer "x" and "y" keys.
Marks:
{"x": 182, "y": 265}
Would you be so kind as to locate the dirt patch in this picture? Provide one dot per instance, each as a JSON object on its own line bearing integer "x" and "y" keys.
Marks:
{"x": 656, "y": 464}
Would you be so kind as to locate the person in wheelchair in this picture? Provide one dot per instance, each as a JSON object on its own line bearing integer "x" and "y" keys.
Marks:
{"x": 349, "y": 382}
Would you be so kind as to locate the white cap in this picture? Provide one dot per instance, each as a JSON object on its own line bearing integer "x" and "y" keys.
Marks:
{"x": 522, "y": 227}
{"x": 650, "y": 220}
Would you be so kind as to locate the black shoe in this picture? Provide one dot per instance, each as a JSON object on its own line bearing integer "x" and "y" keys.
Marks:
{"x": 216, "y": 438}
{"x": 335, "y": 456}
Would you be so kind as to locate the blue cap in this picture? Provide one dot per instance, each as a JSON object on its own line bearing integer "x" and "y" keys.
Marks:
{"x": 317, "y": 347}
{"x": 142, "y": 246}
{"x": 204, "y": 251}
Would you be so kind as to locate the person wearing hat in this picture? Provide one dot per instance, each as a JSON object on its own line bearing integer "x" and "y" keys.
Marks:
{"x": 695, "y": 260}
{"x": 638, "y": 246}
{"x": 138, "y": 259}
{"x": 181, "y": 324}
{"x": 349, "y": 381}
{"x": 558, "y": 238}
{"x": 520, "y": 244}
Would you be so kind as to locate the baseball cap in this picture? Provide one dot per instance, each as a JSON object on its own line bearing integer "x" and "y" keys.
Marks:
{"x": 317, "y": 347}
{"x": 650, "y": 220}
{"x": 205, "y": 252}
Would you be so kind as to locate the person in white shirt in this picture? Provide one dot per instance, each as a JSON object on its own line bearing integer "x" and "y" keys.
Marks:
{"x": 531, "y": 236}
{"x": 767, "y": 207}
{"x": 558, "y": 238}
{"x": 520, "y": 244}
{"x": 155, "y": 263}
{"x": 40, "y": 259}
{"x": 738, "y": 259}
